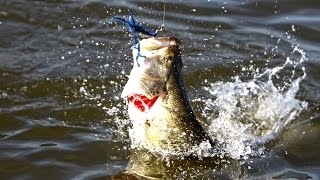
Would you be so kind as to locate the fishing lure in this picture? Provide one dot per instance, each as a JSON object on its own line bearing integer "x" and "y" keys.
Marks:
{"x": 136, "y": 28}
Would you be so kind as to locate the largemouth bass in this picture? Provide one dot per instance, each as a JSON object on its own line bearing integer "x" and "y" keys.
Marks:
{"x": 162, "y": 117}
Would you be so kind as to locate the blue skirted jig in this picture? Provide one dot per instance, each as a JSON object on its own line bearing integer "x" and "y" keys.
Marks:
{"x": 136, "y": 28}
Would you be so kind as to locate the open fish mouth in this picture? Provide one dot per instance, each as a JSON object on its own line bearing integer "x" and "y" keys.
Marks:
{"x": 157, "y": 43}
{"x": 153, "y": 63}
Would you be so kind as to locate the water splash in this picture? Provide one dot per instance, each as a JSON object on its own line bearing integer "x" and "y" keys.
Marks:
{"x": 243, "y": 115}
{"x": 99, "y": 96}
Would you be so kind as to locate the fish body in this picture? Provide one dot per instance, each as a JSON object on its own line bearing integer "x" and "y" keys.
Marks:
{"x": 162, "y": 117}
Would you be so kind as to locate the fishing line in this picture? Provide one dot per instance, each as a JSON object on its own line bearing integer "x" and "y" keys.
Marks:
{"x": 163, "y": 17}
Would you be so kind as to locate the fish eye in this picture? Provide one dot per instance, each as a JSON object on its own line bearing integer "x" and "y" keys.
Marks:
{"x": 168, "y": 59}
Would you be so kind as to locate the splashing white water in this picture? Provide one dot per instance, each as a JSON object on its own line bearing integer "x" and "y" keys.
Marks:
{"x": 242, "y": 115}
{"x": 245, "y": 115}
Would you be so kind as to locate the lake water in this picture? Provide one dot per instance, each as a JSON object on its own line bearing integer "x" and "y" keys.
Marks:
{"x": 251, "y": 69}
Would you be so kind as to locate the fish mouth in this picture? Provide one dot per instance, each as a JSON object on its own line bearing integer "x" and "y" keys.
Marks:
{"x": 152, "y": 44}
{"x": 148, "y": 77}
